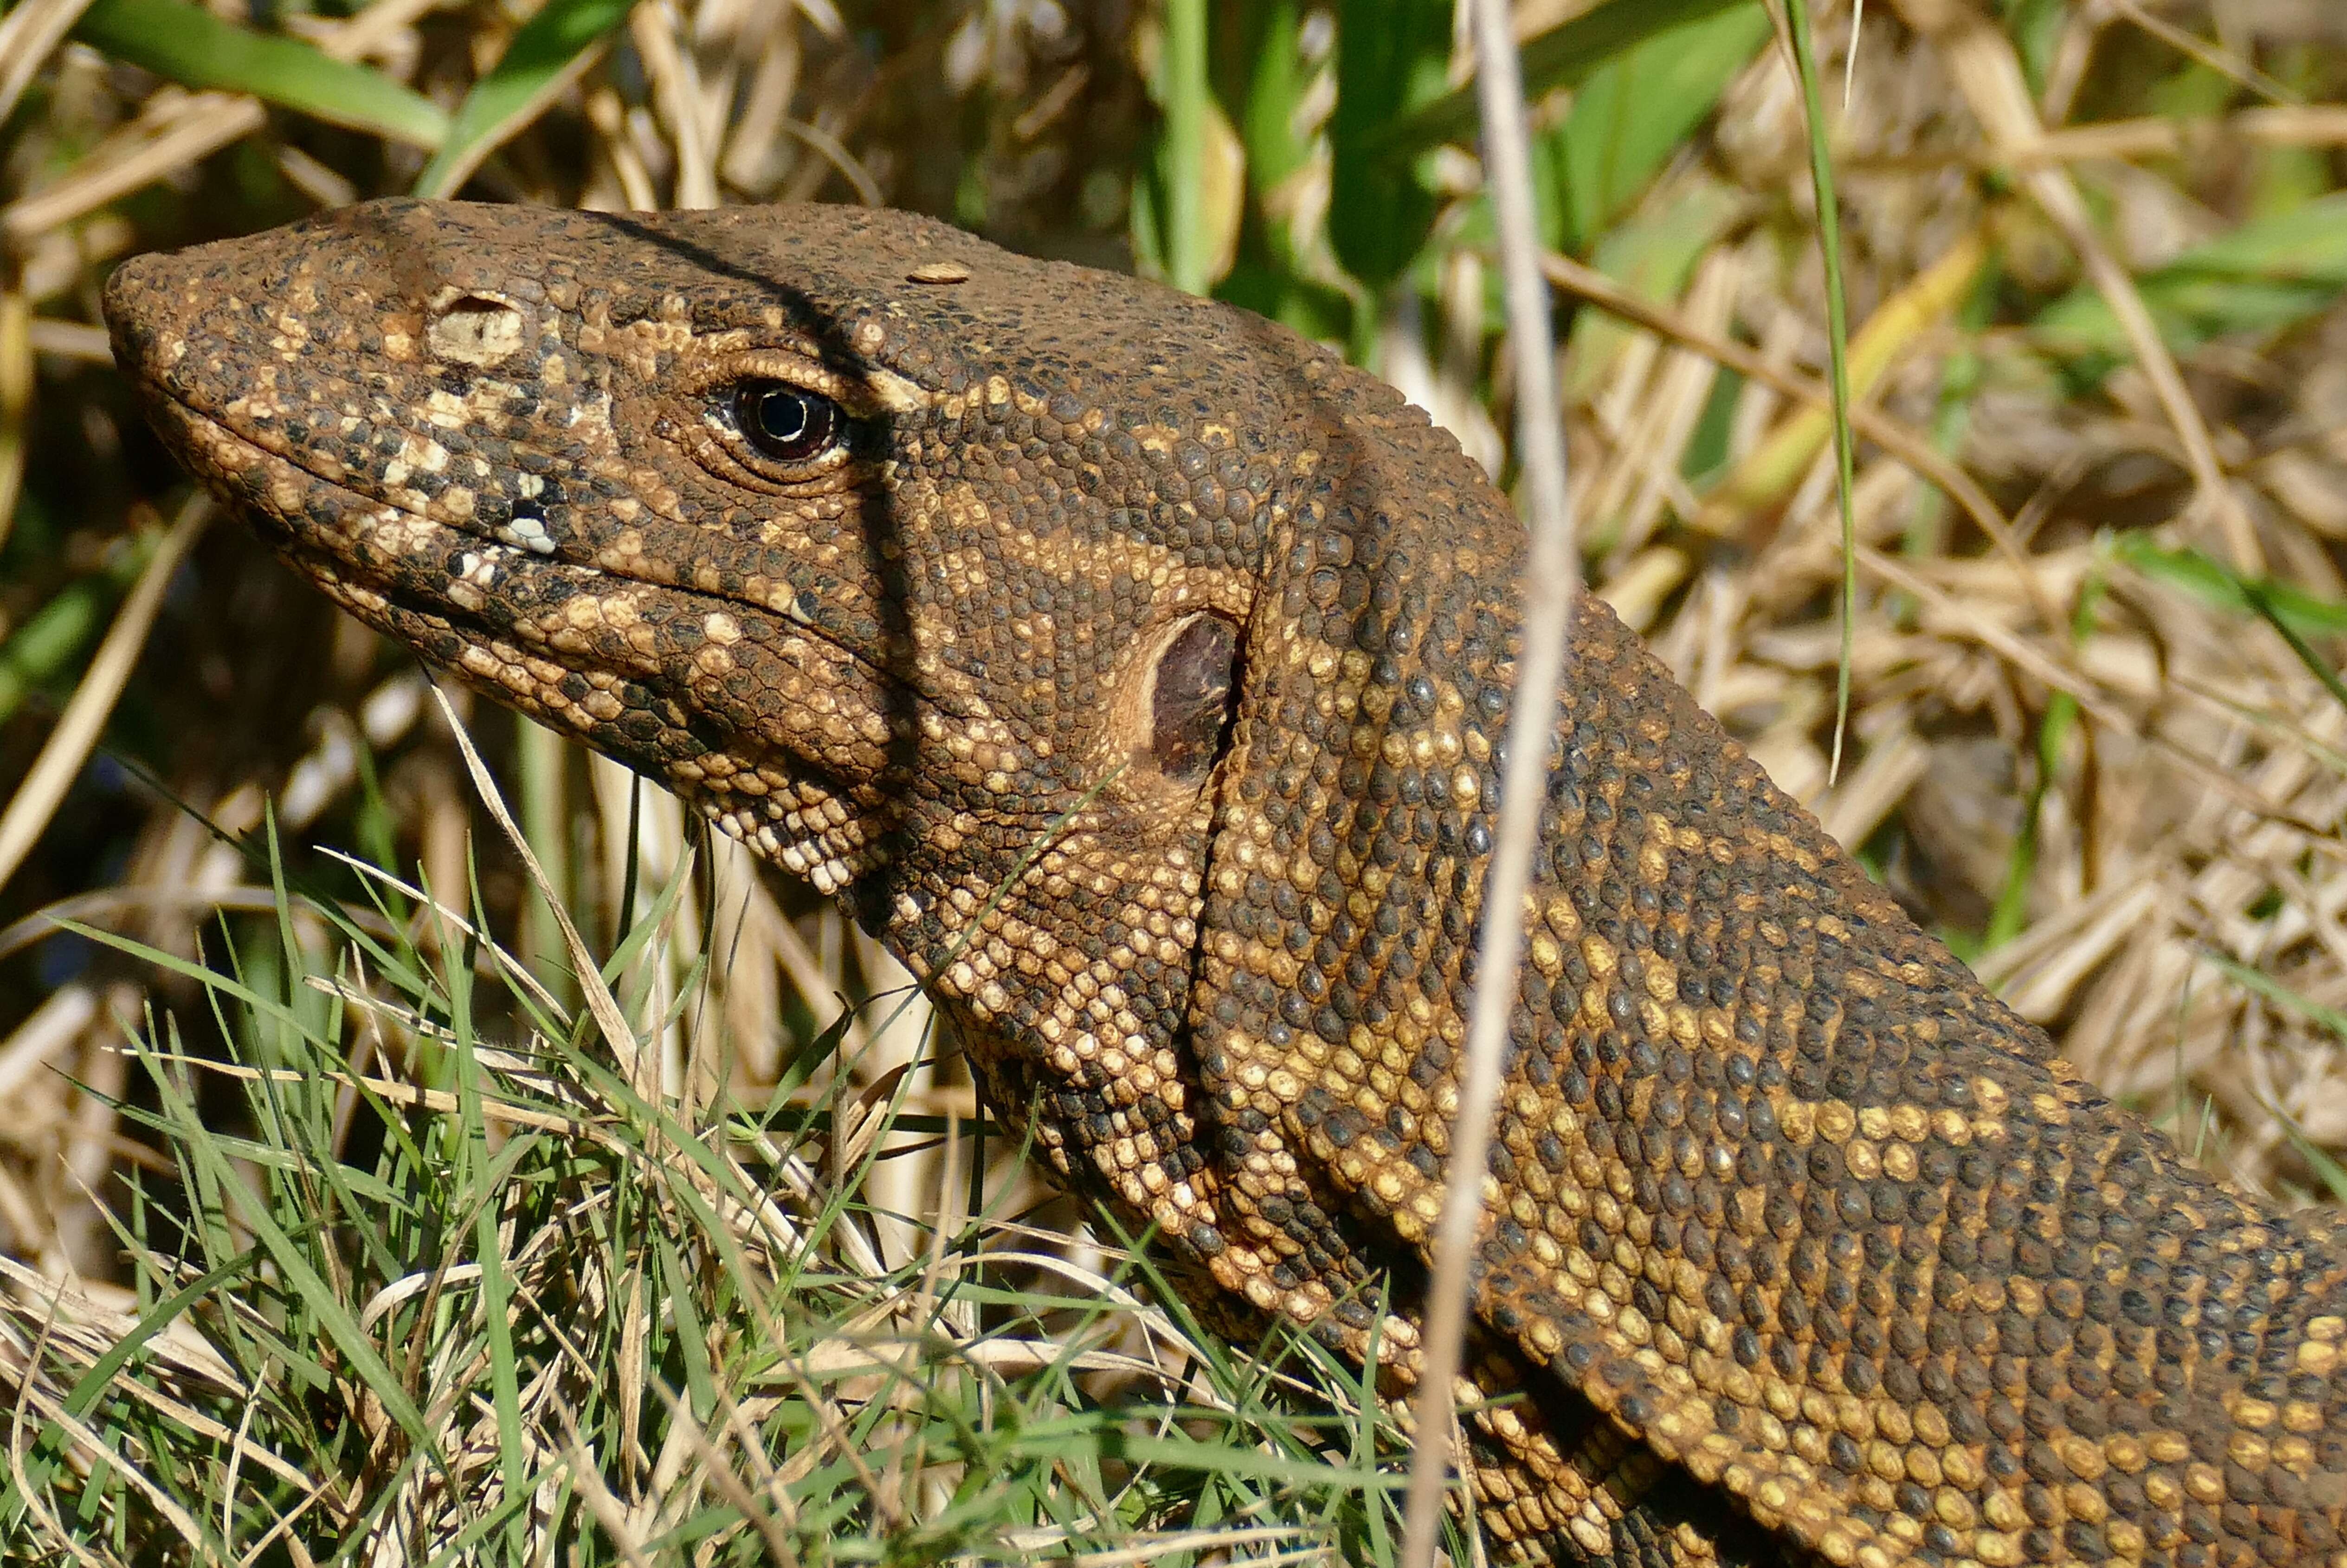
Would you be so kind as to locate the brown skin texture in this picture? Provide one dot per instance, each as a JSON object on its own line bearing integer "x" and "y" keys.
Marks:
{"x": 1136, "y": 671}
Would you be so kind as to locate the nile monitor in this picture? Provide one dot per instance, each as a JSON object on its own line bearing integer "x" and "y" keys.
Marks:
{"x": 1136, "y": 669}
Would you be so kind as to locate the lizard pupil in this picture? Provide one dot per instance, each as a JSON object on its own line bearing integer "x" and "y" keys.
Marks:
{"x": 788, "y": 424}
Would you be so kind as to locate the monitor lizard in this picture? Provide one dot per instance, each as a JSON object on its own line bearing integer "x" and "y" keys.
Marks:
{"x": 1136, "y": 671}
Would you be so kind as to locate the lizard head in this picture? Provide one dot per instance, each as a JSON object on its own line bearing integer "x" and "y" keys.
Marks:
{"x": 925, "y": 570}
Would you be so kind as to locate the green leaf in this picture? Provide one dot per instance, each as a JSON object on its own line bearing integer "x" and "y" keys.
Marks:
{"x": 187, "y": 45}
{"x": 52, "y": 640}
{"x": 1634, "y": 110}
{"x": 2333, "y": 1174}
{"x": 2326, "y": 1169}
{"x": 1391, "y": 57}
{"x": 549, "y": 52}
{"x": 1563, "y": 56}
{"x": 102, "y": 1372}
{"x": 361, "y": 1360}
{"x": 1179, "y": 1453}
{"x": 1653, "y": 254}
{"x": 2268, "y": 274}
{"x": 1277, "y": 80}
{"x": 1264, "y": 68}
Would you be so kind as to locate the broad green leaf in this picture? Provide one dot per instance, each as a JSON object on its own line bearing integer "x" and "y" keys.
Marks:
{"x": 1634, "y": 112}
{"x": 1277, "y": 83}
{"x": 187, "y": 45}
{"x": 1563, "y": 56}
{"x": 545, "y": 57}
{"x": 1263, "y": 69}
{"x": 1392, "y": 56}
{"x": 2268, "y": 274}
{"x": 1652, "y": 254}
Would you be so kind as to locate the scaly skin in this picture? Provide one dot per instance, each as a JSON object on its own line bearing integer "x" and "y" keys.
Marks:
{"x": 1803, "y": 1245}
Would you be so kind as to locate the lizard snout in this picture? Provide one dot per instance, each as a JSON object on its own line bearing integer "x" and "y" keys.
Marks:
{"x": 141, "y": 316}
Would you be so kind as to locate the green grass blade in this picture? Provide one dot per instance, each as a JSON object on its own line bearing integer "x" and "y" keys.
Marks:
{"x": 691, "y": 1334}
{"x": 1183, "y": 153}
{"x": 1821, "y": 178}
{"x": 1564, "y": 57}
{"x": 2310, "y": 615}
{"x": 497, "y": 1289}
{"x": 541, "y": 761}
{"x": 2260, "y": 984}
{"x": 2294, "y": 614}
{"x": 2270, "y": 272}
{"x": 2053, "y": 734}
{"x": 2333, "y": 1174}
{"x": 545, "y": 57}
{"x": 1182, "y": 1453}
{"x": 302, "y": 1277}
{"x": 83, "y": 1397}
{"x": 187, "y": 45}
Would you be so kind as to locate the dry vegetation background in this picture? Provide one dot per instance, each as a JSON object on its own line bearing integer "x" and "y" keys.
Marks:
{"x": 2094, "y": 254}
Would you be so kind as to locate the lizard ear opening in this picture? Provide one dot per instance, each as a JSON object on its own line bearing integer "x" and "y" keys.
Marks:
{"x": 1192, "y": 691}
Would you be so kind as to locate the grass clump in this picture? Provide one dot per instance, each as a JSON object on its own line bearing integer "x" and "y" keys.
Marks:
{"x": 424, "y": 1267}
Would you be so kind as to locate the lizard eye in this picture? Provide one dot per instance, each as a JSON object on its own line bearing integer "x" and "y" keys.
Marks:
{"x": 786, "y": 423}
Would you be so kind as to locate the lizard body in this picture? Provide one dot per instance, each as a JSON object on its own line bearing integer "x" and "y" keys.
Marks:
{"x": 1136, "y": 671}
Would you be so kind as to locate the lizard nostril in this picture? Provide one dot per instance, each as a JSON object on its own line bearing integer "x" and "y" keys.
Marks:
{"x": 475, "y": 329}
